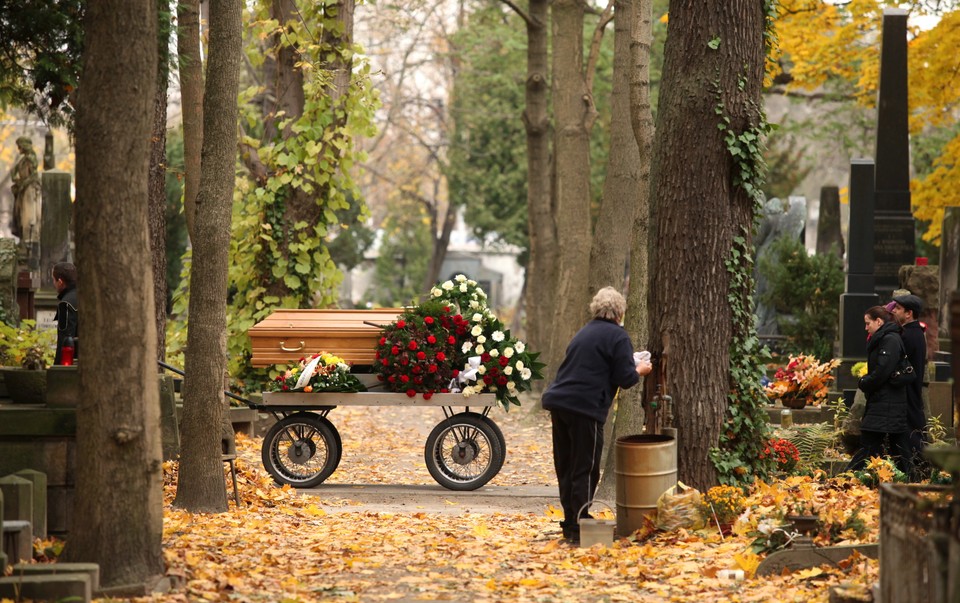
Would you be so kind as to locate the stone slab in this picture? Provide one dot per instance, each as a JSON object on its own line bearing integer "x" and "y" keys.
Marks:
{"x": 59, "y": 587}
{"x": 18, "y": 540}
{"x": 796, "y": 559}
{"x": 63, "y": 386}
{"x": 54, "y": 457}
{"x": 38, "y": 480}
{"x": 51, "y": 569}
{"x": 27, "y": 420}
{"x": 59, "y": 510}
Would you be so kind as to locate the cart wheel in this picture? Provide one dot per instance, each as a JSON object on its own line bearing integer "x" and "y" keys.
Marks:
{"x": 463, "y": 452}
{"x": 302, "y": 450}
{"x": 500, "y": 438}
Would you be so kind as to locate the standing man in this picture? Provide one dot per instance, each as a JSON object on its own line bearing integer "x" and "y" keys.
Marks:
{"x": 599, "y": 360}
{"x": 65, "y": 280}
{"x": 906, "y": 310}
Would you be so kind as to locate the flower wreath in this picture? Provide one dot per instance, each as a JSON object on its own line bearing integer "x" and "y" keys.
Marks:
{"x": 329, "y": 374}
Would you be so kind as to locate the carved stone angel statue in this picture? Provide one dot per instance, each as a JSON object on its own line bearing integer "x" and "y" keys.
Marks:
{"x": 26, "y": 202}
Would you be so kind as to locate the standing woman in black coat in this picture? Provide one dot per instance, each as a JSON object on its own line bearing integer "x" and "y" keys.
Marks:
{"x": 886, "y": 413}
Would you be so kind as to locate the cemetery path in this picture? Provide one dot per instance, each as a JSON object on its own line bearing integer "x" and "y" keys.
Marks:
{"x": 380, "y": 529}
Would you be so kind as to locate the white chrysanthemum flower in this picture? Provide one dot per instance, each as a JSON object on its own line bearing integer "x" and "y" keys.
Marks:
{"x": 436, "y": 292}
{"x": 463, "y": 287}
{"x": 525, "y": 374}
{"x": 481, "y": 339}
{"x": 474, "y": 305}
{"x": 472, "y": 283}
{"x": 511, "y": 386}
{"x": 477, "y": 317}
{"x": 468, "y": 391}
{"x": 479, "y": 349}
{"x": 459, "y": 278}
{"x": 520, "y": 347}
{"x": 482, "y": 369}
{"x": 466, "y": 346}
{"x": 447, "y": 285}
{"x": 508, "y": 370}
{"x": 497, "y": 336}
{"x": 508, "y": 352}
{"x": 494, "y": 353}
{"x": 476, "y": 330}
{"x": 519, "y": 365}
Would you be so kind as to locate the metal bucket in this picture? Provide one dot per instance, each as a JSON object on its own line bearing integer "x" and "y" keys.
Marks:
{"x": 646, "y": 467}
{"x": 595, "y": 531}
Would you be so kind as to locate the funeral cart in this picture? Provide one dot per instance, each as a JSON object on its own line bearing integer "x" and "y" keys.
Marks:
{"x": 463, "y": 452}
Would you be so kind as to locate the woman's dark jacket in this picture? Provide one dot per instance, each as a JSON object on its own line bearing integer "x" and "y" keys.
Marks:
{"x": 599, "y": 360}
{"x": 886, "y": 405}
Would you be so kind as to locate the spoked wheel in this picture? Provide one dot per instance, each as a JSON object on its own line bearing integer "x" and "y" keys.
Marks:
{"x": 463, "y": 452}
{"x": 503, "y": 442}
{"x": 302, "y": 450}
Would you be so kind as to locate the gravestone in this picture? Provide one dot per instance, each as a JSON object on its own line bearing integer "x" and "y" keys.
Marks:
{"x": 39, "y": 496}
{"x": 860, "y": 292}
{"x": 949, "y": 264}
{"x": 893, "y": 243}
{"x": 829, "y": 237}
{"x": 924, "y": 282}
{"x": 56, "y": 223}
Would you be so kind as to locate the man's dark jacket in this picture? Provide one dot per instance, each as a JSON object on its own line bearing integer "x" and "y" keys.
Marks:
{"x": 599, "y": 360}
{"x": 66, "y": 319}
{"x": 915, "y": 343}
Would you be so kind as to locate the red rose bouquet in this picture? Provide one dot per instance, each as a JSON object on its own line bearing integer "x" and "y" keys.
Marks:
{"x": 416, "y": 353}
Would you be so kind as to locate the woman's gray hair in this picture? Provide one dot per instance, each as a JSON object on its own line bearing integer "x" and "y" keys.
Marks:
{"x": 608, "y": 304}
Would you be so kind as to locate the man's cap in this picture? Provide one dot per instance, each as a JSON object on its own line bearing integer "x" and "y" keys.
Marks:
{"x": 910, "y": 302}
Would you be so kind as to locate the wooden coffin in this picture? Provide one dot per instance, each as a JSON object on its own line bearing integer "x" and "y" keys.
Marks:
{"x": 286, "y": 336}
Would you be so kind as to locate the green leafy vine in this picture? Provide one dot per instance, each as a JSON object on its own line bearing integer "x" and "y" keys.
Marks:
{"x": 285, "y": 215}
{"x": 738, "y": 457}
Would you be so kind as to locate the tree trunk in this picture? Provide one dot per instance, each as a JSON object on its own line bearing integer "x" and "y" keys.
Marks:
{"x": 119, "y": 498}
{"x": 699, "y": 210}
{"x": 201, "y": 486}
{"x": 613, "y": 234}
{"x": 541, "y": 273}
{"x": 633, "y": 37}
{"x": 158, "y": 172}
{"x": 574, "y": 116}
{"x": 191, "y": 103}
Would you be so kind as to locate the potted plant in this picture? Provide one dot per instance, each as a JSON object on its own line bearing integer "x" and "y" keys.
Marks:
{"x": 25, "y": 353}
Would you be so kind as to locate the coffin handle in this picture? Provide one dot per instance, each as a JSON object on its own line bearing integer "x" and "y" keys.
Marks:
{"x": 286, "y": 349}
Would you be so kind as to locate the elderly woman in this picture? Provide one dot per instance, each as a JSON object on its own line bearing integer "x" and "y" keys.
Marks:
{"x": 599, "y": 360}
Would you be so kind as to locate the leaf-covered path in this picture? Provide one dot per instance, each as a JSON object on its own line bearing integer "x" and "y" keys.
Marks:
{"x": 284, "y": 545}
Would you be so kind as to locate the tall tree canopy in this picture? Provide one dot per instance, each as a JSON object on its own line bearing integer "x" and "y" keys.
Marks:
{"x": 40, "y": 56}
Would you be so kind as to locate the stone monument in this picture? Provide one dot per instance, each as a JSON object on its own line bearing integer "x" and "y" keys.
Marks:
{"x": 860, "y": 286}
{"x": 949, "y": 265}
{"x": 27, "y": 203}
{"x": 829, "y": 238}
{"x": 893, "y": 223}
